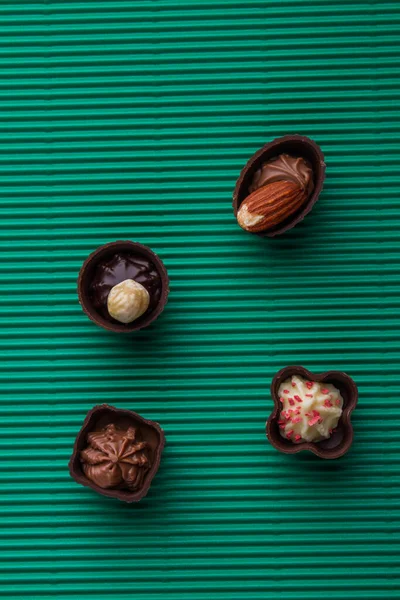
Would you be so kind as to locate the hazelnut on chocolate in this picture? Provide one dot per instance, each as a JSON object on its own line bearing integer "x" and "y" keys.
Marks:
{"x": 123, "y": 286}
{"x": 279, "y": 185}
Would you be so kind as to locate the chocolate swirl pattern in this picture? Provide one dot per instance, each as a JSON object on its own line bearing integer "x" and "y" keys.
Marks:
{"x": 284, "y": 168}
{"x": 115, "y": 458}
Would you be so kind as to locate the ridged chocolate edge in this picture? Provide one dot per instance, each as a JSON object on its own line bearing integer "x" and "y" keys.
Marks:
{"x": 142, "y": 322}
{"x": 87, "y": 425}
{"x": 307, "y": 207}
{"x": 345, "y": 418}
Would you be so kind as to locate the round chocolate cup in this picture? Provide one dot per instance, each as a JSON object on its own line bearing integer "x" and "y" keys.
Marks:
{"x": 102, "y": 415}
{"x": 295, "y": 145}
{"x": 86, "y": 277}
{"x": 341, "y": 439}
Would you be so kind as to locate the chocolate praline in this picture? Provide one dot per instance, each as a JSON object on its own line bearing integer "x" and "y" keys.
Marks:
{"x": 295, "y": 146}
{"x": 341, "y": 439}
{"x": 149, "y": 431}
{"x": 113, "y": 263}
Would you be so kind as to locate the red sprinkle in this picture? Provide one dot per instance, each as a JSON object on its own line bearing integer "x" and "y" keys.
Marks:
{"x": 293, "y": 384}
{"x": 281, "y": 422}
{"x": 325, "y": 391}
{"x": 328, "y": 403}
{"x": 286, "y": 392}
{"x": 297, "y": 438}
{"x": 316, "y": 418}
{"x": 282, "y": 400}
{"x": 291, "y": 401}
{"x": 282, "y": 426}
{"x": 309, "y": 396}
{"x": 309, "y": 384}
{"x": 289, "y": 434}
{"x": 296, "y": 420}
{"x": 298, "y": 398}
{"x": 337, "y": 402}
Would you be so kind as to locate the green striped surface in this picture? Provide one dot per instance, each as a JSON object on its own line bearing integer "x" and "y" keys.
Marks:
{"x": 131, "y": 119}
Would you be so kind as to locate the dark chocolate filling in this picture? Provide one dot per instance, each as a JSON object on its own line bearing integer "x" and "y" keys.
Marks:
{"x": 118, "y": 268}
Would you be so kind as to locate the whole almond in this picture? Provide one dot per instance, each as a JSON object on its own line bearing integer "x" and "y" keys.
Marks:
{"x": 270, "y": 205}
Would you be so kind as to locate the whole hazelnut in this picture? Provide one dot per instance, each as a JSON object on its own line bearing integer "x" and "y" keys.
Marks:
{"x": 127, "y": 301}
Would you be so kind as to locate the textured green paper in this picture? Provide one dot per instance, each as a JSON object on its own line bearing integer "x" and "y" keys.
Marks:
{"x": 131, "y": 120}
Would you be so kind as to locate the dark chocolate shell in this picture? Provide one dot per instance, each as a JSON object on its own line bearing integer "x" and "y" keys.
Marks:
{"x": 103, "y": 415}
{"x": 86, "y": 277}
{"x": 341, "y": 439}
{"x": 295, "y": 145}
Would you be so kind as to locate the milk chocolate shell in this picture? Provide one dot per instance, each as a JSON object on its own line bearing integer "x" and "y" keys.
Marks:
{"x": 341, "y": 439}
{"x": 294, "y": 145}
{"x": 89, "y": 272}
{"x": 150, "y": 432}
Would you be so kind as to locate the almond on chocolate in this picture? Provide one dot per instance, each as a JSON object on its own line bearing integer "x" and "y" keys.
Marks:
{"x": 279, "y": 185}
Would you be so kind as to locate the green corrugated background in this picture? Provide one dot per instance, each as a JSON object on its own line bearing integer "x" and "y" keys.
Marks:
{"x": 132, "y": 119}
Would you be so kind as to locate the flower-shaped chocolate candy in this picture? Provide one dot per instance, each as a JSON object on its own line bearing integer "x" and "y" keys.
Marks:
{"x": 312, "y": 412}
{"x": 117, "y": 453}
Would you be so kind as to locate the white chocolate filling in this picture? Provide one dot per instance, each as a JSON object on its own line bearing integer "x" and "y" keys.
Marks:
{"x": 310, "y": 409}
